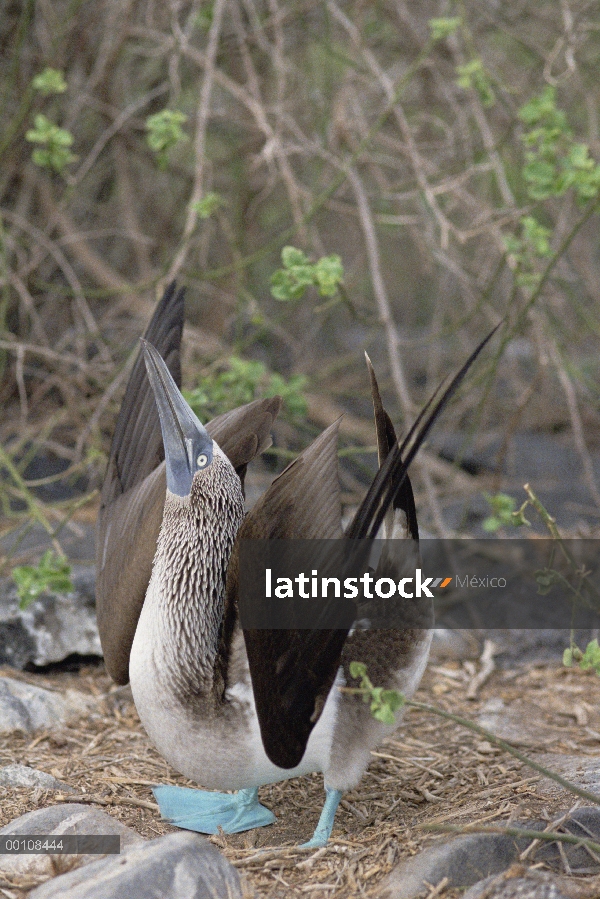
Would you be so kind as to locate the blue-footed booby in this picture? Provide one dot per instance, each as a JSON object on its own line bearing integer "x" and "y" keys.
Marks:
{"x": 233, "y": 709}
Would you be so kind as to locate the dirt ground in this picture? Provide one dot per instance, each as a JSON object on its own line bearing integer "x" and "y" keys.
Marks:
{"x": 433, "y": 772}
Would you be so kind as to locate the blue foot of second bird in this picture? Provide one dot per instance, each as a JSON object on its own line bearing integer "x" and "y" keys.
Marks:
{"x": 205, "y": 812}
{"x": 325, "y": 825}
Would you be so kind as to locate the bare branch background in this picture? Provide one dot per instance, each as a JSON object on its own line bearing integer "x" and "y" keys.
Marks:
{"x": 338, "y": 127}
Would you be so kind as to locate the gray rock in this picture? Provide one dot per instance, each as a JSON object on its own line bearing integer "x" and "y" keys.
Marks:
{"x": 51, "y": 628}
{"x": 70, "y": 818}
{"x": 177, "y": 866}
{"x": 583, "y": 822}
{"x": 24, "y": 707}
{"x": 455, "y": 644}
{"x": 518, "y": 883}
{"x": 464, "y": 861}
{"x": 468, "y": 859}
{"x": 551, "y": 460}
{"x": 518, "y": 647}
{"x": 581, "y": 770}
{"x": 520, "y": 723}
{"x": 30, "y": 778}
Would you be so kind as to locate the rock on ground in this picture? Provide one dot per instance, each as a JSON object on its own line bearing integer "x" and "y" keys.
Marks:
{"x": 176, "y": 866}
{"x": 70, "y": 818}
{"x": 468, "y": 859}
{"x": 30, "y": 778}
{"x": 521, "y": 883}
{"x": 24, "y": 707}
{"x": 51, "y": 628}
{"x": 463, "y": 860}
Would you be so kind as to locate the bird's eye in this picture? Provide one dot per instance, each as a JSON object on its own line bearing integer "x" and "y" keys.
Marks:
{"x": 201, "y": 460}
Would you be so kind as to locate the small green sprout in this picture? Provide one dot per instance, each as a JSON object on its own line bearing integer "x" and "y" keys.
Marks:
{"x": 442, "y": 28}
{"x": 209, "y": 204}
{"x": 54, "y": 152}
{"x": 241, "y": 382}
{"x": 590, "y": 659}
{"x": 164, "y": 132}
{"x": 51, "y": 575}
{"x": 299, "y": 273}
{"x": 50, "y": 81}
{"x": 384, "y": 703}
{"x": 503, "y": 507}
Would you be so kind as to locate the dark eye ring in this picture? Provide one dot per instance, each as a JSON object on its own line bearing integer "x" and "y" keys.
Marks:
{"x": 201, "y": 460}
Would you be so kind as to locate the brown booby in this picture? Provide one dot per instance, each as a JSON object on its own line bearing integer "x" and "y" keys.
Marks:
{"x": 229, "y": 709}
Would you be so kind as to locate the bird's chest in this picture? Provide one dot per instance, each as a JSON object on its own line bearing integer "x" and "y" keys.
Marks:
{"x": 173, "y": 654}
{"x": 172, "y": 692}
{"x": 215, "y": 743}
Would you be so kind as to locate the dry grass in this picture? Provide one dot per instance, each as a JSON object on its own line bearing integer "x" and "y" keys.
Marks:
{"x": 433, "y": 772}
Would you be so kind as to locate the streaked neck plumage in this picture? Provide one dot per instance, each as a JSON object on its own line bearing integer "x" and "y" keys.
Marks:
{"x": 190, "y": 568}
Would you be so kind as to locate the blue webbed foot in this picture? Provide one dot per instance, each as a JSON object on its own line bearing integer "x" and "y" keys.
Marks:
{"x": 325, "y": 825}
{"x": 205, "y": 812}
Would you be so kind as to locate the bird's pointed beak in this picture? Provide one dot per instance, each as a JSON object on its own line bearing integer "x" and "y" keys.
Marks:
{"x": 188, "y": 446}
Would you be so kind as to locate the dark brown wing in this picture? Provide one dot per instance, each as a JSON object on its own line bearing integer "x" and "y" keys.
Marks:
{"x": 134, "y": 489}
{"x": 137, "y": 446}
{"x": 125, "y": 547}
{"x": 133, "y": 495}
{"x": 404, "y": 500}
{"x": 394, "y": 471}
{"x": 245, "y": 432}
{"x": 292, "y": 671}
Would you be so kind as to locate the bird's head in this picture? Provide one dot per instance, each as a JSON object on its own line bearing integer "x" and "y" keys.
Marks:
{"x": 189, "y": 448}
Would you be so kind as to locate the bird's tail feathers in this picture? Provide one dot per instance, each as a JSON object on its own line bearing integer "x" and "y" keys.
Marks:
{"x": 393, "y": 472}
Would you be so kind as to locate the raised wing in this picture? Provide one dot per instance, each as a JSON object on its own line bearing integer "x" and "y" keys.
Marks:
{"x": 133, "y": 494}
{"x": 292, "y": 671}
{"x": 404, "y": 501}
{"x": 134, "y": 489}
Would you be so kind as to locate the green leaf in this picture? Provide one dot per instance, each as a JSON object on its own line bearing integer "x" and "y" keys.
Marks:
{"x": 286, "y": 285}
{"x": 537, "y": 236}
{"x": 393, "y": 699}
{"x": 502, "y": 507}
{"x": 568, "y": 658}
{"x": 444, "y": 27}
{"x": 291, "y": 284}
{"x": 542, "y": 110}
{"x": 50, "y": 81}
{"x": 240, "y": 382}
{"x": 357, "y": 669}
{"x": 382, "y": 713}
{"x": 542, "y": 178}
{"x": 473, "y": 76}
{"x": 54, "y": 152}
{"x": 51, "y": 574}
{"x": 208, "y": 204}
{"x": 579, "y": 157}
{"x": 164, "y": 132}
{"x": 328, "y": 272}
{"x": 298, "y": 273}
{"x": 292, "y": 256}
{"x": 546, "y": 578}
{"x": 591, "y": 657}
